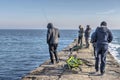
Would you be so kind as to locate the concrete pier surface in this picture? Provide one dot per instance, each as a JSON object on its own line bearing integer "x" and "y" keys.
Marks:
{"x": 59, "y": 71}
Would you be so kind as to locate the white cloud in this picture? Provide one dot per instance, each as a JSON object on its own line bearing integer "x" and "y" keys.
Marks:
{"x": 107, "y": 12}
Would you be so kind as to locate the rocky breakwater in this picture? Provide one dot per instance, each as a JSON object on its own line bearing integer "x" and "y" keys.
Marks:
{"x": 60, "y": 71}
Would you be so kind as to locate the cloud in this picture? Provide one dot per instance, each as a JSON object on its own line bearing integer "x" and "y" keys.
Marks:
{"x": 106, "y": 12}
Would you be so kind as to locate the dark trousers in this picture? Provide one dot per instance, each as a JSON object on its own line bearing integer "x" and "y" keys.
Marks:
{"x": 87, "y": 42}
{"x": 94, "y": 51}
{"x": 102, "y": 51}
{"x": 80, "y": 40}
{"x": 53, "y": 52}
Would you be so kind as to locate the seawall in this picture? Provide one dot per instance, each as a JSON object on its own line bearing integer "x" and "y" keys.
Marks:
{"x": 59, "y": 71}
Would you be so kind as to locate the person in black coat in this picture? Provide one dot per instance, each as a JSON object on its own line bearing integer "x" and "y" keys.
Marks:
{"x": 52, "y": 41}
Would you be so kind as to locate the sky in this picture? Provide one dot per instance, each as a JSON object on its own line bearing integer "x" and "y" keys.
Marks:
{"x": 64, "y": 14}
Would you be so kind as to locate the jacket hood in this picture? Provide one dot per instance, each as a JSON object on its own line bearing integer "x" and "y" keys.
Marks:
{"x": 102, "y": 29}
{"x": 50, "y": 25}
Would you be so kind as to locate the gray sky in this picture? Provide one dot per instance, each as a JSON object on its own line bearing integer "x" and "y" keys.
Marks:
{"x": 64, "y": 14}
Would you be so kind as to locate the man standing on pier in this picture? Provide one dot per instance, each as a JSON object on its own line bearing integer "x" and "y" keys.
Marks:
{"x": 87, "y": 35}
{"x": 102, "y": 37}
{"x": 52, "y": 41}
{"x": 80, "y": 35}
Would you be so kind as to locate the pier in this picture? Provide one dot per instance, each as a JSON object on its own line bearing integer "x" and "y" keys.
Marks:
{"x": 59, "y": 71}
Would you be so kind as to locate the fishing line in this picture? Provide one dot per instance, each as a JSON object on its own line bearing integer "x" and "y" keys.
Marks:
{"x": 45, "y": 15}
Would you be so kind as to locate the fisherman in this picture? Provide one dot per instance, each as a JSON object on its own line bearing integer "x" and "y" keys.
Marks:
{"x": 87, "y": 35}
{"x": 52, "y": 41}
{"x": 80, "y": 35}
{"x": 102, "y": 37}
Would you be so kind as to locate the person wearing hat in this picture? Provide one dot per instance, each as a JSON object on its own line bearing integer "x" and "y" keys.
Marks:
{"x": 52, "y": 41}
{"x": 102, "y": 37}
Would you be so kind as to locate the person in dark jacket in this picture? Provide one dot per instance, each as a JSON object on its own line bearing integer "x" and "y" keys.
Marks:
{"x": 87, "y": 35}
{"x": 80, "y": 35}
{"x": 52, "y": 41}
{"x": 102, "y": 37}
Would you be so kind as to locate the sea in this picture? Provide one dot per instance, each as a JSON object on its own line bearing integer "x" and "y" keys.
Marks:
{"x": 22, "y": 50}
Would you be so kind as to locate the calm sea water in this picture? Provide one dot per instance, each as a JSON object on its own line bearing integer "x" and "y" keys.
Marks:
{"x": 23, "y": 50}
